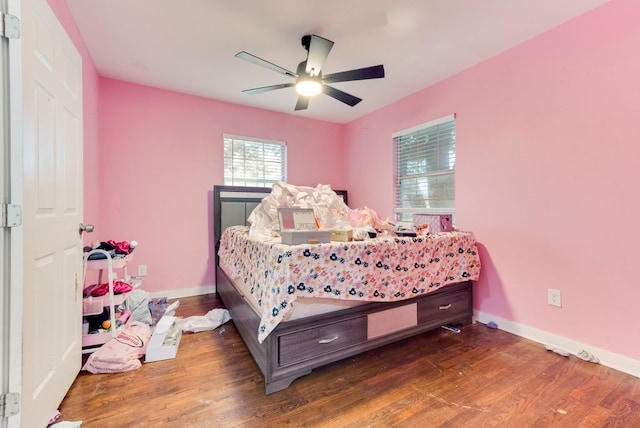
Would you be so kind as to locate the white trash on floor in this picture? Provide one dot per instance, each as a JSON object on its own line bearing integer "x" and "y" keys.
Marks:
{"x": 210, "y": 321}
{"x": 67, "y": 424}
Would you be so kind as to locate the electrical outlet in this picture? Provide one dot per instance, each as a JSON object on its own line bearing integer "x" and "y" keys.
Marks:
{"x": 142, "y": 270}
{"x": 554, "y": 297}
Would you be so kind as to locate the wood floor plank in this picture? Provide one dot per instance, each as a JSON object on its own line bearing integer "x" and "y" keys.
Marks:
{"x": 479, "y": 377}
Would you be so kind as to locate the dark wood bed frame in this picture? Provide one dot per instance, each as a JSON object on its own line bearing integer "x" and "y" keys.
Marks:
{"x": 296, "y": 347}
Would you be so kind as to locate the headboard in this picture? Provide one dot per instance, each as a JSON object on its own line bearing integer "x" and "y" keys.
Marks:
{"x": 233, "y": 204}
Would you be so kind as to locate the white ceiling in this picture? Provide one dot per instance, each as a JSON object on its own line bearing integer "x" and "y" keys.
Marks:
{"x": 189, "y": 45}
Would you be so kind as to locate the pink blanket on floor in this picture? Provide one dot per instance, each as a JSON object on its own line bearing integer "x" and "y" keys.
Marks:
{"x": 123, "y": 352}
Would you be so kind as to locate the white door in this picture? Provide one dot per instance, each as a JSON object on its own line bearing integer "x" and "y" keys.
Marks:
{"x": 52, "y": 140}
{"x": 10, "y": 237}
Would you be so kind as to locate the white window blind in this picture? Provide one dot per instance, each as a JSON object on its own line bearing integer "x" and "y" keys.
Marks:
{"x": 425, "y": 168}
{"x": 251, "y": 162}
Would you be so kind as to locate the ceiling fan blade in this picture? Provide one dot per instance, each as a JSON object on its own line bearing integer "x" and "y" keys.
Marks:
{"x": 341, "y": 96}
{"x": 303, "y": 103}
{"x": 319, "y": 49}
{"x": 374, "y": 72}
{"x": 264, "y": 63}
{"x": 268, "y": 88}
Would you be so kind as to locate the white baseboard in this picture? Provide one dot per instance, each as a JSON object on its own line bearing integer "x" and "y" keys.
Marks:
{"x": 184, "y": 292}
{"x": 607, "y": 358}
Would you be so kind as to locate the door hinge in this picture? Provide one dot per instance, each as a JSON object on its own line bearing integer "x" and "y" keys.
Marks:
{"x": 9, "y": 26}
{"x": 9, "y": 404}
{"x": 11, "y": 215}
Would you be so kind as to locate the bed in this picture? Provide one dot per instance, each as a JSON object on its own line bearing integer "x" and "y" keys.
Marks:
{"x": 296, "y": 312}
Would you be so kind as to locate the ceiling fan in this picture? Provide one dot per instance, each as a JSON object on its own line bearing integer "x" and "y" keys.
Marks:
{"x": 309, "y": 78}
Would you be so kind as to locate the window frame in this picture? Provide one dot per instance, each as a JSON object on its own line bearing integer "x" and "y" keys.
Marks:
{"x": 402, "y": 213}
{"x": 247, "y": 181}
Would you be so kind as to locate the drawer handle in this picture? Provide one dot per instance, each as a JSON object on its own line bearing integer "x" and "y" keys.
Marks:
{"x": 445, "y": 307}
{"x": 328, "y": 340}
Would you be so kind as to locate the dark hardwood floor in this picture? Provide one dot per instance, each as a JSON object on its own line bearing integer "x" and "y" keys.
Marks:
{"x": 479, "y": 377}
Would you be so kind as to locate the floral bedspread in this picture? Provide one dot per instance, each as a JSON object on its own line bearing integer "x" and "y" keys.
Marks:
{"x": 381, "y": 269}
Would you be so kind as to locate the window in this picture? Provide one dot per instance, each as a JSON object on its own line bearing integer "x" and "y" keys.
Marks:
{"x": 251, "y": 162}
{"x": 425, "y": 167}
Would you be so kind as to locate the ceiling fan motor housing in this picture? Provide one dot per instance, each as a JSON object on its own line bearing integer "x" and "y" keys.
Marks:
{"x": 301, "y": 71}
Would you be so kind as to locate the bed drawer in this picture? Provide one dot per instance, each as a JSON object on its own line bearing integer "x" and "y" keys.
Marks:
{"x": 309, "y": 343}
{"x": 449, "y": 306}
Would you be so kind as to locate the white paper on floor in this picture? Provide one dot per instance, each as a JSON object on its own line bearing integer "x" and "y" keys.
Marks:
{"x": 210, "y": 321}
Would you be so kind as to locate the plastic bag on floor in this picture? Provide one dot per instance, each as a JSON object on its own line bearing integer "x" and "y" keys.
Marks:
{"x": 160, "y": 307}
{"x": 139, "y": 305}
{"x": 210, "y": 321}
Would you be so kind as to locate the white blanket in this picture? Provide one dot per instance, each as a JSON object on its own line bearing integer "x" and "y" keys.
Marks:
{"x": 330, "y": 209}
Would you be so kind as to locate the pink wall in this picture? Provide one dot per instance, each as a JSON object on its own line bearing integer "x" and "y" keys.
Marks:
{"x": 160, "y": 156}
{"x": 547, "y": 147}
{"x": 90, "y": 123}
{"x": 547, "y": 150}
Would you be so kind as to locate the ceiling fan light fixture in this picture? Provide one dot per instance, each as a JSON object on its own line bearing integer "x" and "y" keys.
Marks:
{"x": 308, "y": 86}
